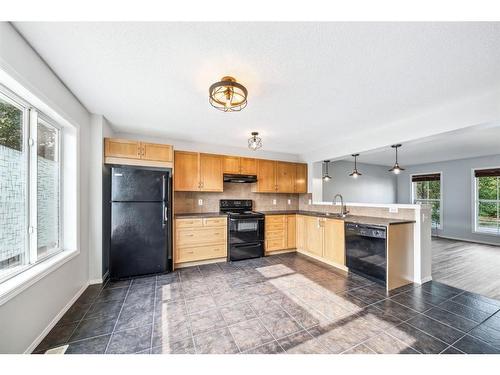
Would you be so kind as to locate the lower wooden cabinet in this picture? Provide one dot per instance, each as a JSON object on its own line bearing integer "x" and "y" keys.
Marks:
{"x": 322, "y": 238}
{"x": 280, "y": 232}
{"x": 198, "y": 239}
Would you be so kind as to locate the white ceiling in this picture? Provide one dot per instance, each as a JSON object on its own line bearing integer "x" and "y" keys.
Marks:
{"x": 467, "y": 143}
{"x": 308, "y": 83}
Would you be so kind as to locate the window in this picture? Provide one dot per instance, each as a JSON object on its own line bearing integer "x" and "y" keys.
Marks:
{"x": 487, "y": 202}
{"x": 30, "y": 176}
{"x": 427, "y": 190}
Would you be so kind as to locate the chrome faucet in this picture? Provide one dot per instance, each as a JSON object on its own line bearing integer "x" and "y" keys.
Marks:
{"x": 343, "y": 209}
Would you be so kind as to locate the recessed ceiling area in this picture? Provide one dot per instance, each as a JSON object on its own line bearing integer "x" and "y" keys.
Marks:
{"x": 466, "y": 143}
{"x": 308, "y": 83}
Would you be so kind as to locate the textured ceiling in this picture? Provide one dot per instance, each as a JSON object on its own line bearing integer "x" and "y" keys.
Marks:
{"x": 308, "y": 83}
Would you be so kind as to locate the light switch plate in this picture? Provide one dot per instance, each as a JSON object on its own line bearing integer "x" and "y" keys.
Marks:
{"x": 274, "y": 201}
{"x": 289, "y": 201}
{"x": 310, "y": 201}
{"x": 393, "y": 210}
{"x": 200, "y": 202}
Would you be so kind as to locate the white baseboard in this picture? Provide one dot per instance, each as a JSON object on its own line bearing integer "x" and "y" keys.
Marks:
{"x": 425, "y": 279}
{"x": 468, "y": 240}
{"x": 100, "y": 280}
{"x": 54, "y": 321}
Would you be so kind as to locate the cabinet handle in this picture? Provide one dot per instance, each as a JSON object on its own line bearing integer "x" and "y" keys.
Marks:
{"x": 189, "y": 235}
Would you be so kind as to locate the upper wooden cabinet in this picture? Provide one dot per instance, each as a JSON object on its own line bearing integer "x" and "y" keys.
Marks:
{"x": 197, "y": 172}
{"x": 125, "y": 151}
{"x": 280, "y": 177}
{"x": 300, "y": 178}
{"x": 239, "y": 165}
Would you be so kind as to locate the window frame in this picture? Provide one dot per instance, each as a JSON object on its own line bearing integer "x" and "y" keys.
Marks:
{"x": 29, "y": 133}
{"x": 441, "y": 224}
{"x": 476, "y": 201}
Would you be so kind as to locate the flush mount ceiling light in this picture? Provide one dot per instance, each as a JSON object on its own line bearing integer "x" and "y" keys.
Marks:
{"x": 396, "y": 169}
{"x": 228, "y": 95}
{"x": 254, "y": 142}
{"x": 355, "y": 173}
{"x": 326, "y": 176}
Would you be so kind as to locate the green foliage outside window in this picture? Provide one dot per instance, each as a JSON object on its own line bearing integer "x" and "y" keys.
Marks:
{"x": 10, "y": 126}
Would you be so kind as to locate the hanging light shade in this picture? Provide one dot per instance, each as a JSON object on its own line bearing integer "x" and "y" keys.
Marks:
{"x": 228, "y": 95}
{"x": 355, "y": 173}
{"x": 396, "y": 169}
{"x": 326, "y": 176}
{"x": 254, "y": 142}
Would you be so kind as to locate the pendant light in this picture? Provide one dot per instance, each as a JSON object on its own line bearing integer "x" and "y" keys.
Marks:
{"x": 326, "y": 176}
{"x": 228, "y": 95}
{"x": 254, "y": 142}
{"x": 396, "y": 169}
{"x": 355, "y": 173}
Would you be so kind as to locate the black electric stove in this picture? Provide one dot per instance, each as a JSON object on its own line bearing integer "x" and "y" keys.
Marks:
{"x": 245, "y": 229}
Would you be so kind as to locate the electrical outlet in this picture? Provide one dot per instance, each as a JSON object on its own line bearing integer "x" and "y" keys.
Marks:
{"x": 274, "y": 202}
{"x": 200, "y": 202}
{"x": 393, "y": 210}
{"x": 310, "y": 201}
{"x": 289, "y": 202}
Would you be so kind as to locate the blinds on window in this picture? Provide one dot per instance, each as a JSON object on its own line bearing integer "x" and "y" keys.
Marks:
{"x": 492, "y": 172}
{"x": 426, "y": 177}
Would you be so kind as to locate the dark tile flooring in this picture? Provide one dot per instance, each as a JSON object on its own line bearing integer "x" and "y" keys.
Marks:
{"x": 283, "y": 303}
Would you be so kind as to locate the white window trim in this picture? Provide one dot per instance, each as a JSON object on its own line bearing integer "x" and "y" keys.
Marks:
{"x": 441, "y": 208}
{"x": 475, "y": 204}
{"x": 33, "y": 269}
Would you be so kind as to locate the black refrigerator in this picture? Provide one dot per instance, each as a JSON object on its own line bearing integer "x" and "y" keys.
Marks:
{"x": 140, "y": 222}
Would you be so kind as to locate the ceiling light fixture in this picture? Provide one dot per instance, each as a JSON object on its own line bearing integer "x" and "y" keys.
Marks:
{"x": 326, "y": 176}
{"x": 254, "y": 142}
{"x": 355, "y": 173}
{"x": 396, "y": 169}
{"x": 228, "y": 95}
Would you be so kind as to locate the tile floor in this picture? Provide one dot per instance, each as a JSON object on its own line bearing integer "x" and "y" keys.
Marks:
{"x": 283, "y": 303}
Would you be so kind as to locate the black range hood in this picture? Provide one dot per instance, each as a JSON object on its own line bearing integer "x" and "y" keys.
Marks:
{"x": 240, "y": 178}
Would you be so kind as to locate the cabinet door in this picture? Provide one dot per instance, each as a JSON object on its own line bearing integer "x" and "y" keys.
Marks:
{"x": 231, "y": 164}
{"x": 314, "y": 241}
{"x": 301, "y": 232}
{"x": 334, "y": 249}
{"x": 211, "y": 172}
{"x": 248, "y": 166}
{"x": 266, "y": 176}
{"x": 285, "y": 177}
{"x": 291, "y": 237}
{"x": 156, "y": 152}
{"x": 300, "y": 178}
{"x": 186, "y": 171}
{"x": 122, "y": 148}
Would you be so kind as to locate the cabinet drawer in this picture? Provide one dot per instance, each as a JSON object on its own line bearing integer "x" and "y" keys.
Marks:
{"x": 275, "y": 219}
{"x": 273, "y": 234}
{"x": 215, "y": 221}
{"x": 275, "y": 226}
{"x": 200, "y": 236}
{"x": 188, "y": 223}
{"x": 275, "y": 244}
{"x": 191, "y": 254}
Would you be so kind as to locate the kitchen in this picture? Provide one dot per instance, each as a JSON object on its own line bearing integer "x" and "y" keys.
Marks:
{"x": 224, "y": 212}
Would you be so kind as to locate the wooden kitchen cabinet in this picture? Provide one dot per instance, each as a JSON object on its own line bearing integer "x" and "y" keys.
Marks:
{"x": 231, "y": 164}
{"x": 248, "y": 166}
{"x": 291, "y": 232}
{"x": 130, "y": 152}
{"x": 315, "y": 235}
{"x": 285, "y": 177}
{"x": 300, "y": 232}
{"x": 198, "y": 172}
{"x": 300, "y": 178}
{"x": 266, "y": 176}
{"x": 334, "y": 241}
{"x": 211, "y": 176}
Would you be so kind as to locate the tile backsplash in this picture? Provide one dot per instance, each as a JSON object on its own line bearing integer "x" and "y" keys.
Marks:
{"x": 187, "y": 202}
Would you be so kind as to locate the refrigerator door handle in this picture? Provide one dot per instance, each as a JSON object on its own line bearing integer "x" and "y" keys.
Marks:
{"x": 165, "y": 214}
{"x": 164, "y": 184}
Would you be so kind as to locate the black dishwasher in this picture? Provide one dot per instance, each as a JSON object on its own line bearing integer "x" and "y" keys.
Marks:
{"x": 365, "y": 249}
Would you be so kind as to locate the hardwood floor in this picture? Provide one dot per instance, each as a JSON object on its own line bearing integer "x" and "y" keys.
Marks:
{"x": 469, "y": 266}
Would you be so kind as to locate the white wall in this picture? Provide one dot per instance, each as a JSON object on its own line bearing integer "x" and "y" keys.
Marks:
{"x": 457, "y": 195}
{"x": 376, "y": 185}
{"x": 24, "y": 317}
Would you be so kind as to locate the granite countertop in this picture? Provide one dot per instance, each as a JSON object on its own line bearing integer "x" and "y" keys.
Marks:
{"x": 370, "y": 220}
{"x": 199, "y": 215}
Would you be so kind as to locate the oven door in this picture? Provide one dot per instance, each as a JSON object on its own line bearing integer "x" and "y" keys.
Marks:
{"x": 247, "y": 230}
{"x": 246, "y": 251}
